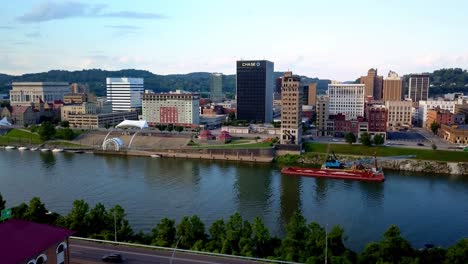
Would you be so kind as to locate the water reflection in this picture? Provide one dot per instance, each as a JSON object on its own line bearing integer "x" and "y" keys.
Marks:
{"x": 253, "y": 185}
{"x": 290, "y": 197}
{"x": 321, "y": 188}
{"x": 48, "y": 159}
{"x": 372, "y": 193}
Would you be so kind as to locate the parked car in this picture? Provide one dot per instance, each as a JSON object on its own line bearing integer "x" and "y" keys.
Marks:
{"x": 420, "y": 144}
{"x": 113, "y": 258}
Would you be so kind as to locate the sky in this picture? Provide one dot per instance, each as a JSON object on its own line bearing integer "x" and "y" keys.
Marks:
{"x": 331, "y": 39}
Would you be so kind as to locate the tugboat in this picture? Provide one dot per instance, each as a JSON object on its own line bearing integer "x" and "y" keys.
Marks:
{"x": 335, "y": 169}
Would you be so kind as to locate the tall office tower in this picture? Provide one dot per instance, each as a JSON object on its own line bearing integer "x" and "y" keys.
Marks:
{"x": 373, "y": 83}
{"x": 124, "y": 93}
{"x": 26, "y": 93}
{"x": 322, "y": 107}
{"x": 216, "y": 88}
{"x": 312, "y": 94}
{"x": 309, "y": 94}
{"x": 254, "y": 90}
{"x": 291, "y": 110}
{"x": 278, "y": 85}
{"x": 346, "y": 99}
{"x": 393, "y": 87}
{"x": 418, "y": 88}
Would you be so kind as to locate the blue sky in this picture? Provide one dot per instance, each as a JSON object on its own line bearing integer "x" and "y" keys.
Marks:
{"x": 333, "y": 39}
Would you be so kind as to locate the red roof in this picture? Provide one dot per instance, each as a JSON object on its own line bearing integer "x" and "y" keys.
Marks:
{"x": 19, "y": 109}
{"x": 205, "y": 134}
{"x": 21, "y": 240}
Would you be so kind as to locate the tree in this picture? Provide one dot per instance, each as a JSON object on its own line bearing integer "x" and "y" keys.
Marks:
{"x": 164, "y": 233}
{"x": 350, "y": 138}
{"x": 217, "y": 236}
{"x": 179, "y": 128}
{"x": 2, "y": 202}
{"x": 434, "y": 146}
{"x": 36, "y": 211}
{"x": 46, "y": 131}
{"x": 378, "y": 139}
{"x": 75, "y": 220}
{"x": 190, "y": 231}
{"x": 261, "y": 238}
{"x": 293, "y": 245}
{"x": 458, "y": 253}
{"x": 97, "y": 221}
{"x": 365, "y": 139}
{"x": 65, "y": 124}
{"x": 19, "y": 211}
{"x": 170, "y": 127}
{"x": 65, "y": 133}
{"x": 117, "y": 216}
{"x": 434, "y": 127}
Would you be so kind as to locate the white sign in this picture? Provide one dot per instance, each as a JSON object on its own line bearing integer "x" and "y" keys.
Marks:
{"x": 251, "y": 64}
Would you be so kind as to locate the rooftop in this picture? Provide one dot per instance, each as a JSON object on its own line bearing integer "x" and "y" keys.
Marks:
{"x": 21, "y": 240}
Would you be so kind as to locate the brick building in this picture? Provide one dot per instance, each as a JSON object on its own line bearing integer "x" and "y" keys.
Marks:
{"x": 28, "y": 242}
{"x": 440, "y": 116}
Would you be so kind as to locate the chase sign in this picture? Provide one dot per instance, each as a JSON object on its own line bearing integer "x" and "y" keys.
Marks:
{"x": 250, "y": 64}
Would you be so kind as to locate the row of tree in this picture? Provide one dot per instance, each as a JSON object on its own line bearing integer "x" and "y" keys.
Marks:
{"x": 48, "y": 131}
{"x": 365, "y": 139}
{"x": 304, "y": 242}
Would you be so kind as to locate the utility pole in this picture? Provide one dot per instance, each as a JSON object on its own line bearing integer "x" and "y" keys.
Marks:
{"x": 115, "y": 228}
{"x": 173, "y": 253}
{"x": 326, "y": 243}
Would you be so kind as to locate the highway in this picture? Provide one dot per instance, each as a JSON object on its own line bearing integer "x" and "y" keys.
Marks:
{"x": 83, "y": 252}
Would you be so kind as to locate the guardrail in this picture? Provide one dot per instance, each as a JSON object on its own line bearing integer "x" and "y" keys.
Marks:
{"x": 184, "y": 250}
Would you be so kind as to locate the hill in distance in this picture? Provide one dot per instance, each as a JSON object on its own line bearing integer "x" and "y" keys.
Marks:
{"x": 96, "y": 79}
{"x": 442, "y": 81}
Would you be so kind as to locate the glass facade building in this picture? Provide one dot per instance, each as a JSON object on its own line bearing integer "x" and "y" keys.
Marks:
{"x": 254, "y": 91}
{"x": 216, "y": 88}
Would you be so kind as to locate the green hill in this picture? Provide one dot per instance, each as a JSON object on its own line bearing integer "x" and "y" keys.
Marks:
{"x": 96, "y": 79}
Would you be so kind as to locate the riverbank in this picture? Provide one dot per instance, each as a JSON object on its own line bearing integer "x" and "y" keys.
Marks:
{"x": 315, "y": 160}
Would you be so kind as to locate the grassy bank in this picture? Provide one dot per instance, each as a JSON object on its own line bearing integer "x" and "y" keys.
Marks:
{"x": 20, "y": 136}
{"x": 423, "y": 154}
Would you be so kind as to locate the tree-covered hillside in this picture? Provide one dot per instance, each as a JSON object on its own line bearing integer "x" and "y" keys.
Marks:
{"x": 442, "y": 81}
{"x": 449, "y": 81}
{"x": 96, "y": 79}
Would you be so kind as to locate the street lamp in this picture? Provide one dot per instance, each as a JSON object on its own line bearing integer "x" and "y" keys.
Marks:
{"x": 173, "y": 253}
{"x": 326, "y": 243}
{"x": 115, "y": 228}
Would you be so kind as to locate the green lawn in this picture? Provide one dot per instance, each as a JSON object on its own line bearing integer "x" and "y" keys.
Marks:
{"x": 20, "y": 136}
{"x": 65, "y": 144}
{"x": 423, "y": 154}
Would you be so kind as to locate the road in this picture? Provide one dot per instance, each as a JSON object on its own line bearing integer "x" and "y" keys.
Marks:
{"x": 83, "y": 252}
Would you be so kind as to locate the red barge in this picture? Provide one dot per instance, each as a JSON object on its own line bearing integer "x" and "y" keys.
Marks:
{"x": 344, "y": 174}
{"x": 335, "y": 169}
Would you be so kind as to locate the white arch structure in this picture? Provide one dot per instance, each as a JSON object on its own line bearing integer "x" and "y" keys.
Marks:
{"x": 116, "y": 142}
{"x": 141, "y": 124}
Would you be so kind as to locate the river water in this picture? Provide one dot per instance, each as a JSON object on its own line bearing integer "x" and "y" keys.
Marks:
{"x": 427, "y": 208}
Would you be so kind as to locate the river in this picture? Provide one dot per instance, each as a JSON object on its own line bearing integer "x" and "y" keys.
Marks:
{"x": 427, "y": 208}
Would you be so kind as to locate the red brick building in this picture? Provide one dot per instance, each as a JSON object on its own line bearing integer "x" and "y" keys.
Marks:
{"x": 440, "y": 116}
{"x": 377, "y": 116}
{"x": 31, "y": 243}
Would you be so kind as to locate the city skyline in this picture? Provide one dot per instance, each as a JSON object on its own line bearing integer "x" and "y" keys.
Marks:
{"x": 324, "y": 39}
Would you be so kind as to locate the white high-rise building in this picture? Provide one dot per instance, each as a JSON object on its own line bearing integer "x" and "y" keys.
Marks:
{"x": 124, "y": 93}
{"x": 347, "y": 99}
